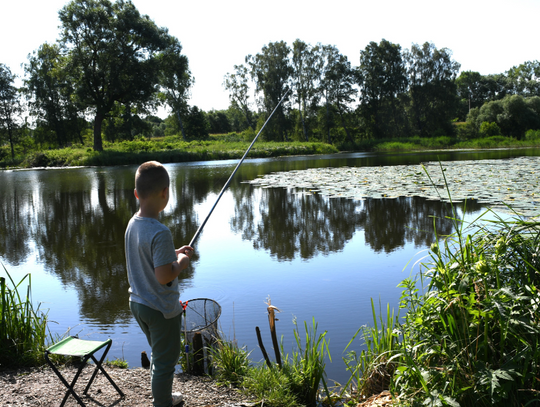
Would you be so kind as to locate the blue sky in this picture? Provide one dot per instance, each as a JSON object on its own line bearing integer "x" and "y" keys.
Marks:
{"x": 484, "y": 36}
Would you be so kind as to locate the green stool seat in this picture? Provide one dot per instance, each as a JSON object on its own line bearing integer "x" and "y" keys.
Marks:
{"x": 73, "y": 346}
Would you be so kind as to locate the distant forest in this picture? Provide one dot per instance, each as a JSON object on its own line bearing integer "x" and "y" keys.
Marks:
{"x": 112, "y": 68}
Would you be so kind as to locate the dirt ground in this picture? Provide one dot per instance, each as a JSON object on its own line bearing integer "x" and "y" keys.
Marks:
{"x": 41, "y": 387}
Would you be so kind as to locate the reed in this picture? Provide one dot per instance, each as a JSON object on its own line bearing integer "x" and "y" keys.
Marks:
{"x": 23, "y": 329}
{"x": 372, "y": 370}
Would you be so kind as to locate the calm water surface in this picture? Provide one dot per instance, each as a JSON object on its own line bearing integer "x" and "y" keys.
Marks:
{"x": 314, "y": 257}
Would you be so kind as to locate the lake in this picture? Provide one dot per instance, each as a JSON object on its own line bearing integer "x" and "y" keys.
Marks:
{"x": 314, "y": 256}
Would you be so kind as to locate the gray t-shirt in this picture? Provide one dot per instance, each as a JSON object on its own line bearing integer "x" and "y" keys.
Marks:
{"x": 149, "y": 244}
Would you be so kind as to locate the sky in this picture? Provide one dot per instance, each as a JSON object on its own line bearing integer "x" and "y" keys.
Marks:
{"x": 487, "y": 36}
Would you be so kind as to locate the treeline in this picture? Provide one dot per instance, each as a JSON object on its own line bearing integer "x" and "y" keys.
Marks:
{"x": 112, "y": 68}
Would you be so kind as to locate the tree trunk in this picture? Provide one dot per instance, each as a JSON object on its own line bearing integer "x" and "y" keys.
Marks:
{"x": 98, "y": 121}
{"x": 247, "y": 114}
{"x": 181, "y": 124}
{"x": 10, "y": 132}
{"x": 303, "y": 122}
{"x": 328, "y": 123}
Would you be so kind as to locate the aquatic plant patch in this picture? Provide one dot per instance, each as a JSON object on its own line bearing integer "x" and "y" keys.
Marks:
{"x": 500, "y": 184}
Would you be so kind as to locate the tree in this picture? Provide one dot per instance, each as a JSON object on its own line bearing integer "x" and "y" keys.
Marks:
{"x": 335, "y": 85}
{"x": 514, "y": 115}
{"x": 237, "y": 85}
{"x": 112, "y": 55}
{"x": 10, "y": 106}
{"x": 339, "y": 79}
{"x": 49, "y": 92}
{"x": 176, "y": 80}
{"x": 525, "y": 79}
{"x": 271, "y": 70}
{"x": 382, "y": 77}
{"x": 305, "y": 75}
{"x": 432, "y": 88}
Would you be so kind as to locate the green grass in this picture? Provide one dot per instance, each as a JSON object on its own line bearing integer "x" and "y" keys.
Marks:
{"x": 120, "y": 363}
{"x": 166, "y": 150}
{"x": 23, "y": 329}
{"x": 296, "y": 383}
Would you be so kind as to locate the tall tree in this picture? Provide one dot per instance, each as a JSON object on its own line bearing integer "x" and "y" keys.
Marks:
{"x": 382, "y": 77}
{"x": 237, "y": 84}
{"x": 10, "y": 107}
{"x": 340, "y": 79}
{"x": 432, "y": 73}
{"x": 271, "y": 70}
{"x": 113, "y": 55}
{"x": 335, "y": 85}
{"x": 525, "y": 79}
{"x": 49, "y": 92}
{"x": 176, "y": 80}
{"x": 306, "y": 67}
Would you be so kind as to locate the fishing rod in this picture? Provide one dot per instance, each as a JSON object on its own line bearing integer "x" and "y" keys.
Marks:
{"x": 234, "y": 172}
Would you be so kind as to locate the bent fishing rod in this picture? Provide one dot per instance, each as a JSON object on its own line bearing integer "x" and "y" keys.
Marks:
{"x": 234, "y": 172}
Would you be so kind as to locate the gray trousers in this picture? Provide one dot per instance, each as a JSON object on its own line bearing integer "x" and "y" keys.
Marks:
{"x": 163, "y": 336}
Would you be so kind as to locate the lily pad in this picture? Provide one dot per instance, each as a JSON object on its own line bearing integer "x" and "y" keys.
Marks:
{"x": 493, "y": 182}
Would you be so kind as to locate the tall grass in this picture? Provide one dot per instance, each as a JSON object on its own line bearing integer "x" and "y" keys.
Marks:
{"x": 23, "y": 329}
{"x": 296, "y": 383}
{"x": 372, "y": 370}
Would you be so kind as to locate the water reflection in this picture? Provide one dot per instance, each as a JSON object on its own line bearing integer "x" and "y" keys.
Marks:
{"x": 72, "y": 221}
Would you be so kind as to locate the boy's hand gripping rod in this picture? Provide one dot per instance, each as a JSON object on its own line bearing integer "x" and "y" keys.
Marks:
{"x": 234, "y": 172}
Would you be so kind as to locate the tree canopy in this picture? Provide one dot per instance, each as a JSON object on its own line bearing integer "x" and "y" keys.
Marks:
{"x": 114, "y": 55}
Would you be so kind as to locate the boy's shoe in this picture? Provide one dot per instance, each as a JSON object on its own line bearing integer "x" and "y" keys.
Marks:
{"x": 177, "y": 398}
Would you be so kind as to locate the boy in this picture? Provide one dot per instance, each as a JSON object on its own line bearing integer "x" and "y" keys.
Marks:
{"x": 153, "y": 265}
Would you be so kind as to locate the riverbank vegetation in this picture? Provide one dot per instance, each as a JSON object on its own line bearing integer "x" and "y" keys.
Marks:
{"x": 23, "y": 328}
{"x": 394, "y": 94}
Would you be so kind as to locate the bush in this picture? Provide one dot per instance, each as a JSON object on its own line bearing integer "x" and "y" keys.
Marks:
{"x": 489, "y": 129}
{"x": 532, "y": 135}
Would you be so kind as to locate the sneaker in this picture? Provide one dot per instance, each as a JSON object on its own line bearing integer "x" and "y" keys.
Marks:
{"x": 177, "y": 398}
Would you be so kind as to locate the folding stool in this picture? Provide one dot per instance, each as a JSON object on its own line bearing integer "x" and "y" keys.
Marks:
{"x": 73, "y": 346}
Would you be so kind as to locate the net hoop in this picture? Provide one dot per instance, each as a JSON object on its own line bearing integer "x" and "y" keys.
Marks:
{"x": 200, "y": 314}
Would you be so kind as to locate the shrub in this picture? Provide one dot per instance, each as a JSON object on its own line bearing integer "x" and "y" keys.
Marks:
{"x": 532, "y": 135}
{"x": 489, "y": 129}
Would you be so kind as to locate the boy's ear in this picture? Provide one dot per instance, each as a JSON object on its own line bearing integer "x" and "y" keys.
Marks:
{"x": 135, "y": 193}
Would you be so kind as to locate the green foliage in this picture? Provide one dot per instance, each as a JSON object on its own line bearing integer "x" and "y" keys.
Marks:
{"x": 514, "y": 115}
{"x": 489, "y": 129}
{"x": 532, "y": 135}
{"x": 23, "y": 329}
{"x": 119, "y": 363}
{"x": 270, "y": 386}
{"x": 231, "y": 362}
{"x": 114, "y": 55}
{"x": 372, "y": 370}
{"x": 295, "y": 383}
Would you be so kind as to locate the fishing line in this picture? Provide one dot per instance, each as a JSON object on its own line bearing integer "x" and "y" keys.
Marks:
{"x": 234, "y": 172}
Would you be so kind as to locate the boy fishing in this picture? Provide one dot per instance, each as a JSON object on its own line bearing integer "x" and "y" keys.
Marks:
{"x": 153, "y": 265}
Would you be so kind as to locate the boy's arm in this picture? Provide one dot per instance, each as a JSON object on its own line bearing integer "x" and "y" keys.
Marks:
{"x": 168, "y": 272}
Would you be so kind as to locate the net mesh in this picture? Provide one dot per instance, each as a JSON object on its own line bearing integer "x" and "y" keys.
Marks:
{"x": 201, "y": 314}
{"x": 200, "y": 318}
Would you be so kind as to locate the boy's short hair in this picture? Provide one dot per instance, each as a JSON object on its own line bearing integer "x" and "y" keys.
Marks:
{"x": 151, "y": 178}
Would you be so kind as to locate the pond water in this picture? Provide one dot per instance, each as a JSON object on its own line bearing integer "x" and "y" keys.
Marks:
{"x": 316, "y": 257}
